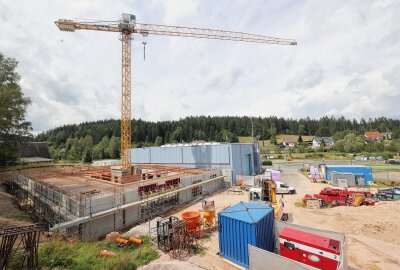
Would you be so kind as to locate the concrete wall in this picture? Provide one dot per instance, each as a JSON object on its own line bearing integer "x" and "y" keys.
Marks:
{"x": 101, "y": 226}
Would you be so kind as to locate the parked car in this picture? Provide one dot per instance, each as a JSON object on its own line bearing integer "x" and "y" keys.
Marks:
{"x": 392, "y": 161}
{"x": 283, "y": 188}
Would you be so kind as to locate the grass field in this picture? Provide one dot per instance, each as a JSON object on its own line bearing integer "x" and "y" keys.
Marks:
{"x": 386, "y": 183}
{"x": 58, "y": 254}
{"x": 37, "y": 165}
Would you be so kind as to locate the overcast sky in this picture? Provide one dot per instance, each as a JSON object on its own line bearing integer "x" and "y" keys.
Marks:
{"x": 347, "y": 61}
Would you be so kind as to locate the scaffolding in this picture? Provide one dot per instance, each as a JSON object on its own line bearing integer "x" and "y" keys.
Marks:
{"x": 84, "y": 208}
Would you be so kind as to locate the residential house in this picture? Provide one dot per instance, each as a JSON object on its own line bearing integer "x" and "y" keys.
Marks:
{"x": 289, "y": 141}
{"x": 323, "y": 141}
{"x": 373, "y": 136}
{"x": 387, "y": 135}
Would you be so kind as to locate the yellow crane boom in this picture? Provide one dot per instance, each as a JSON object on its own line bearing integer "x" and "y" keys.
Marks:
{"x": 128, "y": 26}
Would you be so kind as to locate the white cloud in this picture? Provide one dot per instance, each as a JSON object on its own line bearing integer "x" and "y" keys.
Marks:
{"x": 347, "y": 61}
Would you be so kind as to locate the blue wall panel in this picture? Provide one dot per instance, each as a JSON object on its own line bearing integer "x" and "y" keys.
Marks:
{"x": 358, "y": 170}
{"x": 223, "y": 156}
{"x": 217, "y": 154}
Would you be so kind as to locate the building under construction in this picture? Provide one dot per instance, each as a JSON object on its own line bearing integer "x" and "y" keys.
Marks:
{"x": 87, "y": 202}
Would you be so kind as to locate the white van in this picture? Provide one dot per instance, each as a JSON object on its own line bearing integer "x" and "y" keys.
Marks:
{"x": 282, "y": 188}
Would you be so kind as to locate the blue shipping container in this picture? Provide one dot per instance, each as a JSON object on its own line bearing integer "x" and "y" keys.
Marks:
{"x": 358, "y": 170}
{"x": 244, "y": 224}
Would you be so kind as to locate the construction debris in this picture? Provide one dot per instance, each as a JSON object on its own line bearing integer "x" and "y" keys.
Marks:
{"x": 112, "y": 236}
{"x": 106, "y": 253}
{"x": 313, "y": 204}
{"x": 236, "y": 190}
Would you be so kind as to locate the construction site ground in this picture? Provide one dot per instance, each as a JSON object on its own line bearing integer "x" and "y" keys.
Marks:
{"x": 372, "y": 231}
{"x": 10, "y": 213}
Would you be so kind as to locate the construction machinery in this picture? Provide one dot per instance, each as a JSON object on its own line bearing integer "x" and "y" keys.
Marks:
{"x": 341, "y": 197}
{"x": 127, "y": 27}
{"x": 264, "y": 190}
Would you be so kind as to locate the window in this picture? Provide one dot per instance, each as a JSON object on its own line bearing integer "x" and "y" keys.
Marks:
{"x": 197, "y": 191}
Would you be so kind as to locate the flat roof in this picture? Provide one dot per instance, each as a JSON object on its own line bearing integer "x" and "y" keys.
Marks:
{"x": 35, "y": 159}
{"x": 347, "y": 166}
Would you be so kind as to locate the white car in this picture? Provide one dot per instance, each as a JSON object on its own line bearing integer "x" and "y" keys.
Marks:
{"x": 282, "y": 188}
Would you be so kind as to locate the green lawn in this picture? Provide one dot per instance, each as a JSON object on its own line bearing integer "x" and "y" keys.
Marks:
{"x": 85, "y": 255}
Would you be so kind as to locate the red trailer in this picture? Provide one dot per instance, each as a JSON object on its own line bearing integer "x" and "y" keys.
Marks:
{"x": 311, "y": 249}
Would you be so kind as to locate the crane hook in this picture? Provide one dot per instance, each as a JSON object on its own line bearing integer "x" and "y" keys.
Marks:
{"x": 144, "y": 50}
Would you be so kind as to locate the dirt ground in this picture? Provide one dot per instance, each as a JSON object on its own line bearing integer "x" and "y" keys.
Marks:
{"x": 373, "y": 232}
{"x": 10, "y": 213}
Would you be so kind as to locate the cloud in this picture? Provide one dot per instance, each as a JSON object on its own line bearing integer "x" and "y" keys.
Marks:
{"x": 346, "y": 62}
{"x": 308, "y": 78}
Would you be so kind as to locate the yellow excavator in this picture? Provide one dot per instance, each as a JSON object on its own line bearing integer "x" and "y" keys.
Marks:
{"x": 264, "y": 190}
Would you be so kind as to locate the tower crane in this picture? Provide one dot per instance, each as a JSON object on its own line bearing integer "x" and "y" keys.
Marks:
{"x": 127, "y": 27}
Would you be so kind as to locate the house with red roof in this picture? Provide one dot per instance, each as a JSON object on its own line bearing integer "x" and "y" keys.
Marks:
{"x": 373, "y": 136}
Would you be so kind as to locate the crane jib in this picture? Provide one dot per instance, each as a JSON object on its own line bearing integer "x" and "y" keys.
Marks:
{"x": 127, "y": 26}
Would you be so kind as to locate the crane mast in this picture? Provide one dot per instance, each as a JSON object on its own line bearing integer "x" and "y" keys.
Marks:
{"x": 128, "y": 26}
{"x": 126, "y": 128}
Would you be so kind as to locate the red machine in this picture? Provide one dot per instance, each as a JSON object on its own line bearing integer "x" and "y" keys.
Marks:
{"x": 314, "y": 250}
{"x": 338, "y": 197}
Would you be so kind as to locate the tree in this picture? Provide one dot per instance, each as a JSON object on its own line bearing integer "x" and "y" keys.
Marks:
{"x": 323, "y": 132}
{"x": 13, "y": 127}
{"x": 158, "y": 141}
{"x": 100, "y": 150}
{"x": 396, "y": 134}
{"x": 300, "y": 140}
{"x": 87, "y": 154}
{"x": 352, "y": 143}
{"x": 113, "y": 148}
{"x": 302, "y": 129}
{"x": 394, "y": 146}
{"x": 176, "y": 136}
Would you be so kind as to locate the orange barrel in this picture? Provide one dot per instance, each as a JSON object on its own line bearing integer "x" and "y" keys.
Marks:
{"x": 135, "y": 240}
{"x": 239, "y": 182}
{"x": 106, "y": 253}
{"x": 194, "y": 221}
{"x": 358, "y": 199}
{"x": 120, "y": 240}
{"x": 209, "y": 217}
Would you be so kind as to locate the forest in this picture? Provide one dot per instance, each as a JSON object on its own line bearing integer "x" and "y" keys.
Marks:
{"x": 101, "y": 139}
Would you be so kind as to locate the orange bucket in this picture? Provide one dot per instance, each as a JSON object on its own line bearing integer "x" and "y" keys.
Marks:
{"x": 135, "y": 240}
{"x": 239, "y": 182}
{"x": 194, "y": 221}
{"x": 120, "y": 240}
